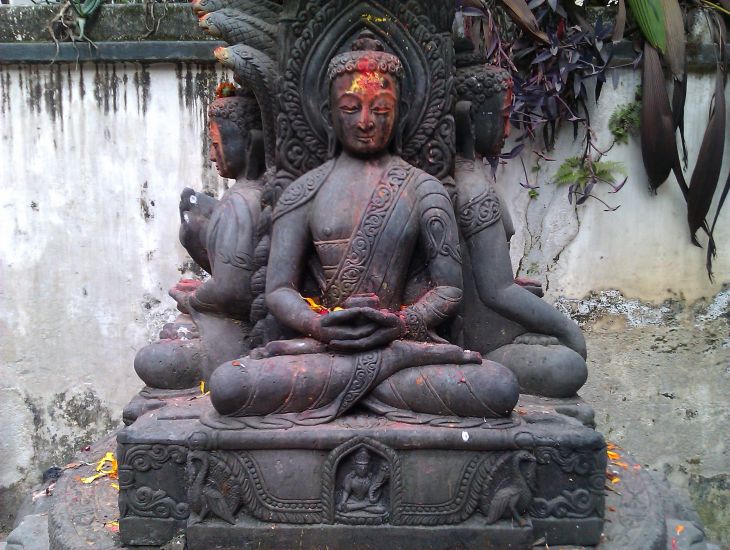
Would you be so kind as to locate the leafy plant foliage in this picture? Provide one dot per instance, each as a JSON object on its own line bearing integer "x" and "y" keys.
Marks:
{"x": 624, "y": 121}
{"x": 557, "y": 57}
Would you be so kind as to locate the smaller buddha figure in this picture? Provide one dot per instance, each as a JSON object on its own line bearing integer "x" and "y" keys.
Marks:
{"x": 362, "y": 487}
{"x": 220, "y": 236}
{"x": 504, "y": 320}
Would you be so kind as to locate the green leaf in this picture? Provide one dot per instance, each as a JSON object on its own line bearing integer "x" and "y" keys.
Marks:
{"x": 649, "y": 14}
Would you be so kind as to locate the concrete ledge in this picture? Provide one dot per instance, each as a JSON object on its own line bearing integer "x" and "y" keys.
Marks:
{"x": 112, "y": 22}
{"x": 144, "y": 52}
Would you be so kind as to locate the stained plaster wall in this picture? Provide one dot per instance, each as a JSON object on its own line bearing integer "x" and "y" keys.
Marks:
{"x": 95, "y": 157}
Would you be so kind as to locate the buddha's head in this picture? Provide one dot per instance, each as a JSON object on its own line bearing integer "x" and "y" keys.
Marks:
{"x": 362, "y": 462}
{"x": 484, "y": 98}
{"x": 235, "y": 133}
{"x": 363, "y": 96}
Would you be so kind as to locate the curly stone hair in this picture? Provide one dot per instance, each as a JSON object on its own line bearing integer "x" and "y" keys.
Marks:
{"x": 367, "y": 55}
{"x": 241, "y": 109}
{"x": 477, "y": 83}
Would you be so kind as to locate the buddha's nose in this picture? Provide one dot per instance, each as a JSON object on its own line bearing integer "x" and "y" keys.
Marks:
{"x": 365, "y": 123}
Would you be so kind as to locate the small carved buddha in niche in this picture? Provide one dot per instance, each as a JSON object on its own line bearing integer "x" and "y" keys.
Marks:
{"x": 501, "y": 319}
{"x": 362, "y": 487}
{"x": 366, "y": 225}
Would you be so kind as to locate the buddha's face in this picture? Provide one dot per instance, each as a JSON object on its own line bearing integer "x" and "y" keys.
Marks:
{"x": 364, "y": 108}
{"x": 227, "y": 148}
{"x": 491, "y": 123}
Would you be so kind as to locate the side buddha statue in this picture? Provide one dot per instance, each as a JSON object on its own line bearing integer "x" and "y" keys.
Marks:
{"x": 379, "y": 239}
{"x": 220, "y": 236}
{"x": 502, "y": 319}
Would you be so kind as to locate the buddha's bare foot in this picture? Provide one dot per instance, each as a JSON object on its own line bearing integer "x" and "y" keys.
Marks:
{"x": 298, "y": 346}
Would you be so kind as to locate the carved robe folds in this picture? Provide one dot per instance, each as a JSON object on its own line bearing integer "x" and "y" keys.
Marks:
{"x": 408, "y": 221}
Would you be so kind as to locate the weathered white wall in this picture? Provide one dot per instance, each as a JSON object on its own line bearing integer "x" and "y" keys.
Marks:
{"x": 642, "y": 248}
{"x": 94, "y": 160}
{"x": 658, "y": 331}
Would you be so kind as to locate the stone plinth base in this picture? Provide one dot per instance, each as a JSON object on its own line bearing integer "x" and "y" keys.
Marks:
{"x": 256, "y": 535}
{"x": 641, "y": 514}
{"x": 401, "y": 481}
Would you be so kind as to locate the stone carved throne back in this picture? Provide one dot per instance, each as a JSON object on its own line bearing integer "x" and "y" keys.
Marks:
{"x": 312, "y": 32}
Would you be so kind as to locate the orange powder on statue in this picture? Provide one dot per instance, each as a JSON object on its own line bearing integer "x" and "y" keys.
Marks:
{"x": 368, "y": 82}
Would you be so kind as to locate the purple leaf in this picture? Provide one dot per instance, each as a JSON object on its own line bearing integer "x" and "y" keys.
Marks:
{"x": 513, "y": 153}
{"x": 618, "y": 187}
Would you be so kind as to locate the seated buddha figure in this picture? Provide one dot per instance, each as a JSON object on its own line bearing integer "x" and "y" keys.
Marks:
{"x": 379, "y": 239}
{"x": 502, "y": 319}
{"x": 220, "y": 236}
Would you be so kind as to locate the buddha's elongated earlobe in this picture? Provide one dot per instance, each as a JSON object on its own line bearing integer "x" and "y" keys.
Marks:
{"x": 464, "y": 130}
{"x": 255, "y": 162}
{"x": 331, "y": 143}
{"x": 324, "y": 109}
{"x": 403, "y": 107}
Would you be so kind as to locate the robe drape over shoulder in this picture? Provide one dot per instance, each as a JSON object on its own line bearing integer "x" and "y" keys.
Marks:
{"x": 409, "y": 216}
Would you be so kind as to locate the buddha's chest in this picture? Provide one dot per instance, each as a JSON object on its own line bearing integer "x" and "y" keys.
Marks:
{"x": 339, "y": 206}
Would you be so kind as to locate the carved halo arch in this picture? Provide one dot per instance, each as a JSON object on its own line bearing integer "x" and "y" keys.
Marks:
{"x": 337, "y": 38}
{"x": 324, "y": 29}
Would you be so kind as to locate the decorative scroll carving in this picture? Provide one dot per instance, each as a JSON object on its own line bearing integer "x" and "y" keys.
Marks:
{"x": 143, "y": 458}
{"x": 479, "y": 213}
{"x": 579, "y": 503}
{"x": 355, "y": 261}
{"x": 365, "y": 372}
{"x": 151, "y": 503}
{"x": 227, "y": 482}
{"x": 137, "y": 499}
{"x": 494, "y": 484}
{"x": 571, "y": 504}
{"x": 570, "y": 462}
{"x": 428, "y": 130}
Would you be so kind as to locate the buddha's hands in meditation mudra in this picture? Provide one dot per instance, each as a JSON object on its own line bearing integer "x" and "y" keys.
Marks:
{"x": 360, "y": 325}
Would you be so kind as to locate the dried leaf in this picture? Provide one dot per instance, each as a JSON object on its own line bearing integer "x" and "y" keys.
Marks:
{"x": 658, "y": 144}
{"x": 620, "y": 24}
{"x": 524, "y": 18}
{"x": 709, "y": 161}
{"x": 679, "y": 96}
{"x": 676, "y": 37}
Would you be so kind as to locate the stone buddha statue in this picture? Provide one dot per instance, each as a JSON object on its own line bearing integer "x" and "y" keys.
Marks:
{"x": 379, "y": 239}
{"x": 503, "y": 320}
{"x": 220, "y": 236}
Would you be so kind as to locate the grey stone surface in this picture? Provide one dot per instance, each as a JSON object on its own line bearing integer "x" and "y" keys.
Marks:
{"x": 31, "y": 534}
{"x": 659, "y": 384}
